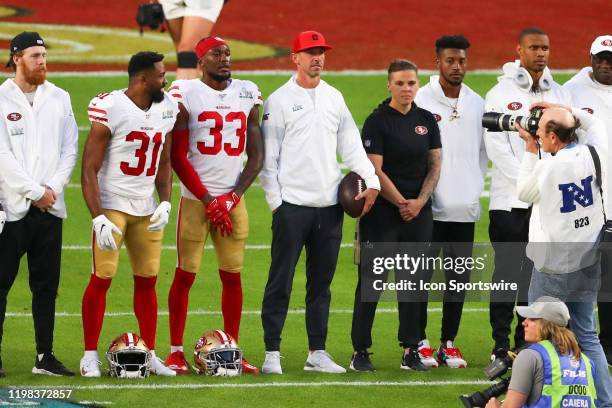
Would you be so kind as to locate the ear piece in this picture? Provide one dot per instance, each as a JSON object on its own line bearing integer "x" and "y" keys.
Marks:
{"x": 523, "y": 79}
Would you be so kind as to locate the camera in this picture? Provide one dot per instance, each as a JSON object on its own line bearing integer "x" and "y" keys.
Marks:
{"x": 495, "y": 370}
{"x": 498, "y": 122}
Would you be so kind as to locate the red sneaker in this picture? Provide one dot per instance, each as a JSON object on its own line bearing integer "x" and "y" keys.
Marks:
{"x": 248, "y": 368}
{"x": 176, "y": 361}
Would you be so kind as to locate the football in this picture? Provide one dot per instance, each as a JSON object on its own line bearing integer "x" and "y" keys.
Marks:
{"x": 351, "y": 185}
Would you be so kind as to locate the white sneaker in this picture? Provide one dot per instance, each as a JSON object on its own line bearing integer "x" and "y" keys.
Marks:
{"x": 271, "y": 364}
{"x": 321, "y": 361}
{"x": 426, "y": 353}
{"x": 157, "y": 367}
{"x": 90, "y": 367}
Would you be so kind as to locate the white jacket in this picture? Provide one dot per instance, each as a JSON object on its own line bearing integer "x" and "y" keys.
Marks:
{"x": 464, "y": 159}
{"x": 567, "y": 213}
{"x": 38, "y": 147}
{"x": 513, "y": 95}
{"x": 595, "y": 98}
{"x": 303, "y": 138}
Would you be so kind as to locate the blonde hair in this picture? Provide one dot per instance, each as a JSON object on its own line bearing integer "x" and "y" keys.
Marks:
{"x": 562, "y": 338}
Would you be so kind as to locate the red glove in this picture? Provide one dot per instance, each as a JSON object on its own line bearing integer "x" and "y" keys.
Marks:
{"x": 224, "y": 224}
{"x": 221, "y": 206}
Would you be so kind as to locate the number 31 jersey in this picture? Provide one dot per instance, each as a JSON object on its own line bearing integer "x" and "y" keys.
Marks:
{"x": 217, "y": 130}
{"x": 137, "y": 138}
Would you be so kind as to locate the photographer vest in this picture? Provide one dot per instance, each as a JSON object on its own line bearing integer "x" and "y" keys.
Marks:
{"x": 567, "y": 383}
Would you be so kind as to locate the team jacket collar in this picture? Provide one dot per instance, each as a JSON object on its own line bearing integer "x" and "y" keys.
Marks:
{"x": 42, "y": 92}
{"x": 434, "y": 83}
{"x": 584, "y": 78}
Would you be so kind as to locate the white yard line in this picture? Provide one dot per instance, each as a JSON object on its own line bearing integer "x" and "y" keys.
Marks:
{"x": 258, "y": 385}
{"x": 244, "y": 312}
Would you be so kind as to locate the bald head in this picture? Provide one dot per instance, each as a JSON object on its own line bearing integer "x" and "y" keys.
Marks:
{"x": 561, "y": 122}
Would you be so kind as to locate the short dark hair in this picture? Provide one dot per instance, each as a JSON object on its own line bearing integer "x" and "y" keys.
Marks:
{"x": 452, "y": 41}
{"x": 143, "y": 61}
{"x": 401, "y": 65}
{"x": 529, "y": 31}
{"x": 564, "y": 133}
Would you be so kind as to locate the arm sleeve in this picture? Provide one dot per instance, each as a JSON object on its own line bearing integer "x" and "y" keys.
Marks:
{"x": 182, "y": 167}
{"x": 373, "y": 136}
{"x": 527, "y": 182}
{"x": 273, "y": 130}
{"x": 499, "y": 148}
{"x": 13, "y": 173}
{"x": 435, "y": 140}
{"x": 68, "y": 152}
{"x": 524, "y": 372}
{"x": 483, "y": 158}
{"x": 351, "y": 150}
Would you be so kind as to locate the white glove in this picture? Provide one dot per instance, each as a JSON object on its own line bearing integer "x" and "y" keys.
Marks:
{"x": 2, "y": 220}
{"x": 104, "y": 228}
{"x": 160, "y": 217}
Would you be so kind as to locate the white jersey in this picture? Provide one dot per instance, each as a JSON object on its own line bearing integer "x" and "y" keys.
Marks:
{"x": 127, "y": 175}
{"x": 217, "y": 130}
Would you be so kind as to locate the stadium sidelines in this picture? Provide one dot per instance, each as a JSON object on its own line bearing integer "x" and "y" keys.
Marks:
{"x": 244, "y": 312}
{"x": 158, "y": 386}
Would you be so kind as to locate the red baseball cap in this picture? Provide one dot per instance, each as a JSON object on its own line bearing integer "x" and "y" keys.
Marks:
{"x": 309, "y": 39}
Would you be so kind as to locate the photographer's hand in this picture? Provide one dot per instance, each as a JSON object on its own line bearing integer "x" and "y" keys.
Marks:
{"x": 493, "y": 403}
{"x": 531, "y": 142}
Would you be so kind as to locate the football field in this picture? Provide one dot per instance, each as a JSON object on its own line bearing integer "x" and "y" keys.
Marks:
{"x": 388, "y": 386}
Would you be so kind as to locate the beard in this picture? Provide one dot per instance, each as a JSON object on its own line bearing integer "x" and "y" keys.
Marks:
{"x": 35, "y": 76}
{"x": 220, "y": 77}
{"x": 157, "y": 96}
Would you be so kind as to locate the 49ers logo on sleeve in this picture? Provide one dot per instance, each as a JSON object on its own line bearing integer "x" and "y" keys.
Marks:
{"x": 588, "y": 110}
{"x": 438, "y": 117}
{"x": 515, "y": 106}
{"x": 13, "y": 117}
{"x": 421, "y": 130}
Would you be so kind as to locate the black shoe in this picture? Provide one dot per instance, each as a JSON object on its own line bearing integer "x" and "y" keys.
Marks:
{"x": 49, "y": 365}
{"x": 412, "y": 361}
{"x": 361, "y": 361}
{"x": 499, "y": 353}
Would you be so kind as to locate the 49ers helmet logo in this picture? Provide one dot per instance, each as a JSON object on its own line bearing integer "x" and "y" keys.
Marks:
{"x": 13, "y": 117}
{"x": 438, "y": 117}
{"x": 515, "y": 106}
{"x": 421, "y": 130}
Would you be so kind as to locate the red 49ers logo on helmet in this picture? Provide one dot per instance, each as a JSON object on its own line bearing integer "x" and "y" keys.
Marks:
{"x": 421, "y": 130}
{"x": 588, "y": 110}
{"x": 13, "y": 117}
{"x": 607, "y": 43}
{"x": 438, "y": 117}
{"x": 515, "y": 106}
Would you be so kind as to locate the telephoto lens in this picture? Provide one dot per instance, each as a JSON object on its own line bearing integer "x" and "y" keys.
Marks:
{"x": 480, "y": 398}
{"x": 499, "y": 122}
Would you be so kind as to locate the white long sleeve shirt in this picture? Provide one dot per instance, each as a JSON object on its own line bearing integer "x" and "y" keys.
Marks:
{"x": 38, "y": 147}
{"x": 303, "y": 135}
{"x": 464, "y": 158}
{"x": 505, "y": 149}
{"x": 595, "y": 98}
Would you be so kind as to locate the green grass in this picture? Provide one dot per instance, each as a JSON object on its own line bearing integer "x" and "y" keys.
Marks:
{"x": 362, "y": 94}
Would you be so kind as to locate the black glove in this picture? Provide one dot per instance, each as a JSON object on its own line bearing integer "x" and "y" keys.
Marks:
{"x": 150, "y": 15}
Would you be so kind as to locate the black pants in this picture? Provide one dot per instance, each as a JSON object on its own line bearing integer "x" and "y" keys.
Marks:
{"x": 455, "y": 240}
{"x": 39, "y": 235}
{"x": 605, "y": 308}
{"x": 384, "y": 224}
{"x": 320, "y": 231}
{"x": 509, "y": 233}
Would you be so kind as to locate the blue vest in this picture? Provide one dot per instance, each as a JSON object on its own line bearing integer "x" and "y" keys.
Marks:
{"x": 567, "y": 383}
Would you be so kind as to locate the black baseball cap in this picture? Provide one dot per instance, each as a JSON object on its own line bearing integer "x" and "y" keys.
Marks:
{"x": 25, "y": 40}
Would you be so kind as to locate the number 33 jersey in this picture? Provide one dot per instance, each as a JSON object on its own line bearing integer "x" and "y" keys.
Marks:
{"x": 217, "y": 130}
{"x": 134, "y": 149}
